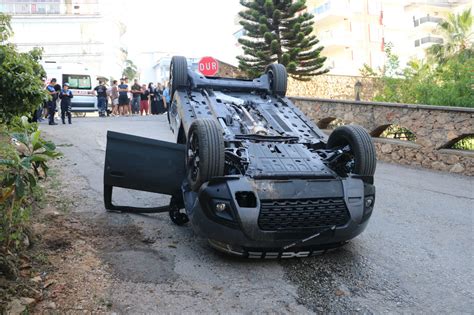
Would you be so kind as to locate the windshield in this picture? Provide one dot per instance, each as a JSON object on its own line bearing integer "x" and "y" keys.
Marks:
{"x": 78, "y": 81}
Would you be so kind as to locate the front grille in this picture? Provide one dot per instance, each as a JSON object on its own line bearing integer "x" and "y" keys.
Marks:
{"x": 295, "y": 214}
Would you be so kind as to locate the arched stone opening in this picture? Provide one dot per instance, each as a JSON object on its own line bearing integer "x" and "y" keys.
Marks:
{"x": 393, "y": 131}
{"x": 324, "y": 123}
{"x": 336, "y": 123}
{"x": 463, "y": 142}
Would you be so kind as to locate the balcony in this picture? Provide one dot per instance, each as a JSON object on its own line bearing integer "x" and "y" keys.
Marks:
{"x": 448, "y": 4}
{"x": 47, "y": 7}
{"x": 427, "y": 23}
{"x": 27, "y": 8}
{"x": 427, "y": 41}
{"x": 335, "y": 39}
{"x": 331, "y": 11}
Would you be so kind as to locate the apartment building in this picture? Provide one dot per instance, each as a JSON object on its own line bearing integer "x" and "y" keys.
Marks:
{"x": 355, "y": 32}
{"x": 68, "y": 31}
{"x": 426, "y": 15}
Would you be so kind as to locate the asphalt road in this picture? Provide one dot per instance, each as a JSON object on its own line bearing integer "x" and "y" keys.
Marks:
{"x": 415, "y": 256}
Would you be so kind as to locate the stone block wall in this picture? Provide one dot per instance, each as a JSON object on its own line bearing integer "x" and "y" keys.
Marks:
{"x": 333, "y": 87}
{"x": 435, "y": 128}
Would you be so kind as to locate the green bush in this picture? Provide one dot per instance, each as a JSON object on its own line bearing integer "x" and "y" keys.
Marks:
{"x": 23, "y": 158}
{"x": 443, "y": 78}
{"x": 21, "y": 88}
{"x": 446, "y": 84}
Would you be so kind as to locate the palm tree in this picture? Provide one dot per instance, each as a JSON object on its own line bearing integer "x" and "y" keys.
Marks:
{"x": 457, "y": 36}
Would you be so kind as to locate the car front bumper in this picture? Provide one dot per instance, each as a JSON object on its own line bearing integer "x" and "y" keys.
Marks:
{"x": 238, "y": 231}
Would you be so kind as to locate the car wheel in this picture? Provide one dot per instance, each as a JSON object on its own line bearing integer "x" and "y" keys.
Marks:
{"x": 178, "y": 74}
{"x": 278, "y": 78}
{"x": 205, "y": 152}
{"x": 176, "y": 216}
{"x": 361, "y": 159}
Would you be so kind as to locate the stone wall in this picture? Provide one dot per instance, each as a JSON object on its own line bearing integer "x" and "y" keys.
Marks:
{"x": 228, "y": 71}
{"x": 435, "y": 128}
{"x": 322, "y": 86}
{"x": 332, "y": 87}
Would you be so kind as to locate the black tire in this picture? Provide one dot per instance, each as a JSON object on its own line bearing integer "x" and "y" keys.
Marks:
{"x": 361, "y": 144}
{"x": 178, "y": 74}
{"x": 177, "y": 217}
{"x": 206, "y": 142}
{"x": 278, "y": 78}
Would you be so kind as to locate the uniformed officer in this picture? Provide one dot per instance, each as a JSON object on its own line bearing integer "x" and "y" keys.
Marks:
{"x": 65, "y": 96}
{"x": 52, "y": 101}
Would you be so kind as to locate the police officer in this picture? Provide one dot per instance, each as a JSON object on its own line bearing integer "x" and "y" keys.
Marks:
{"x": 52, "y": 101}
{"x": 65, "y": 96}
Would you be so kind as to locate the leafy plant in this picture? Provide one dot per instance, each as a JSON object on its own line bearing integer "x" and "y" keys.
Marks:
{"x": 423, "y": 82}
{"x": 23, "y": 162}
{"x": 466, "y": 143}
{"x": 21, "y": 88}
{"x": 457, "y": 34}
{"x": 5, "y": 28}
{"x": 279, "y": 31}
{"x": 130, "y": 71}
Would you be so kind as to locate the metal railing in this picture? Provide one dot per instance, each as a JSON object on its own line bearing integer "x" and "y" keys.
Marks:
{"x": 47, "y": 7}
{"x": 428, "y": 39}
{"x": 21, "y": 8}
{"x": 427, "y": 19}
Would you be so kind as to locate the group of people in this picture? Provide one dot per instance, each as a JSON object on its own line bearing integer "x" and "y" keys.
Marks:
{"x": 137, "y": 98}
{"x": 56, "y": 94}
{"x": 124, "y": 99}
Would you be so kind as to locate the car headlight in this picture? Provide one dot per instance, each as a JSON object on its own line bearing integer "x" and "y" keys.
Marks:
{"x": 220, "y": 206}
{"x": 369, "y": 202}
{"x": 368, "y": 207}
{"x": 222, "y": 209}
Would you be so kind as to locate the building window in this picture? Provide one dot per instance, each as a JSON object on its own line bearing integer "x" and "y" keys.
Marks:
{"x": 322, "y": 8}
{"x": 240, "y": 33}
{"x": 30, "y": 7}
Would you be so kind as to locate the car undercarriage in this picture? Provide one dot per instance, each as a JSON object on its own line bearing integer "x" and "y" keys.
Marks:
{"x": 252, "y": 174}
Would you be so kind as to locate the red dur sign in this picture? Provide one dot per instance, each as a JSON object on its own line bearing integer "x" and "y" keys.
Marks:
{"x": 208, "y": 66}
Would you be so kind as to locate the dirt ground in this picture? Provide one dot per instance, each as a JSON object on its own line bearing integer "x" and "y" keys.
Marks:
{"x": 61, "y": 271}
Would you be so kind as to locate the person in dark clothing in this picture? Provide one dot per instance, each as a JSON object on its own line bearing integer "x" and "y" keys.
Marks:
{"x": 57, "y": 88}
{"x": 160, "y": 99}
{"x": 37, "y": 113}
{"x": 101, "y": 93}
{"x": 65, "y": 97}
{"x": 52, "y": 101}
{"x": 136, "y": 92}
{"x": 153, "y": 99}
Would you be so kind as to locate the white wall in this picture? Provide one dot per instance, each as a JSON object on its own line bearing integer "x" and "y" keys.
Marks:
{"x": 91, "y": 40}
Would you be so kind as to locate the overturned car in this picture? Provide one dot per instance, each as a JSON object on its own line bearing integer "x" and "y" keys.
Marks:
{"x": 252, "y": 174}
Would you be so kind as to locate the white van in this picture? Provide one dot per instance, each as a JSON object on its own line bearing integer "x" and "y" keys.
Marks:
{"x": 80, "y": 80}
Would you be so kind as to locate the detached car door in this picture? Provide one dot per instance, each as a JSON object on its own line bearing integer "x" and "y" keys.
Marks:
{"x": 142, "y": 164}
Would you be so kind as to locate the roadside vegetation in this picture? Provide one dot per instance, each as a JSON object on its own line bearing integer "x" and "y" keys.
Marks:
{"x": 21, "y": 88}
{"x": 24, "y": 154}
{"x": 23, "y": 162}
{"x": 444, "y": 78}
